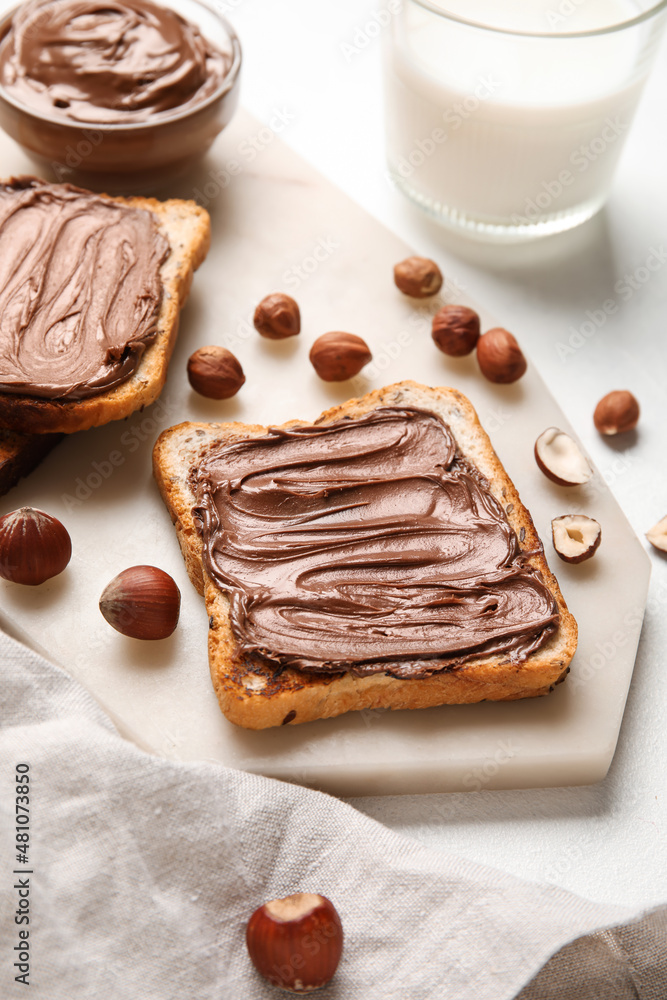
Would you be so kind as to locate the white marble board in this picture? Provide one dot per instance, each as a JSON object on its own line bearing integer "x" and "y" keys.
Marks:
{"x": 279, "y": 225}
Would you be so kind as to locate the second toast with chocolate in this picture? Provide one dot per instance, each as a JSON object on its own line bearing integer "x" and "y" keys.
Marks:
{"x": 77, "y": 266}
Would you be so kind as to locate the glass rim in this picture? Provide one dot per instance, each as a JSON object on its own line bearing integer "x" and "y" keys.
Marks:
{"x": 646, "y": 15}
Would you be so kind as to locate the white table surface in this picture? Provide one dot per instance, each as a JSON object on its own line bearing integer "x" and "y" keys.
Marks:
{"x": 606, "y": 841}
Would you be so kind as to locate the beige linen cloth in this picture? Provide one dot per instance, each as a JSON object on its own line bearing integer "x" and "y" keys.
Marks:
{"x": 144, "y": 872}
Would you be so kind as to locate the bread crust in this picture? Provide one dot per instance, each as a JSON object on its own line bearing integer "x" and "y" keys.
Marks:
{"x": 187, "y": 228}
{"x": 20, "y": 454}
{"x": 252, "y": 693}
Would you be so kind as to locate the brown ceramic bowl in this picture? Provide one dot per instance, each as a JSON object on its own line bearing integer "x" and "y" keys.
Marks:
{"x": 140, "y": 157}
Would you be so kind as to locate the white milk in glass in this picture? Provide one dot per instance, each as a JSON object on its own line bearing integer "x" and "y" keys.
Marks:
{"x": 499, "y": 131}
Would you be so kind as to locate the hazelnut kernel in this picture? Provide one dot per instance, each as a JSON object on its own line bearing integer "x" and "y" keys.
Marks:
{"x": 418, "y": 277}
{"x": 500, "y": 357}
{"x": 337, "y": 356}
{"x": 576, "y": 537}
{"x": 277, "y": 317}
{"x": 214, "y": 372}
{"x": 616, "y": 413}
{"x": 455, "y": 330}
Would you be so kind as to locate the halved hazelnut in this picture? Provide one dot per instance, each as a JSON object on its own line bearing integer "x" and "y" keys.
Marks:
{"x": 561, "y": 459}
{"x": 575, "y": 537}
{"x": 418, "y": 277}
{"x": 455, "y": 330}
{"x": 499, "y": 356}
{"x": 296, "y": 942}
{"x": 616, "y": 413}
{"x": 277, "y": 316}
{"x": 657, "y": 535}
{"x": 34, "y": 546}
{"x": 142, "y": 602}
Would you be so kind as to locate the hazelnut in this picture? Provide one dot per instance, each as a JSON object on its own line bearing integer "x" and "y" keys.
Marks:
{"x": 214, "y": 372}
{"x": 561, "y": 459}
{"x": 296, "y": 942}
{"x": 575, "y": 537}
{"x": 418, "y": 277}
{"x": 616, "y": 413}
{"x": 455, "y": 330}
{"x": 657, "y": 535}
{"x": 277, "y": 317}
{"x": 500, "y": 357}
{"x": 33, "y": 546}
{"x": 142, "y": 602}
{"x": 338, "y": 356}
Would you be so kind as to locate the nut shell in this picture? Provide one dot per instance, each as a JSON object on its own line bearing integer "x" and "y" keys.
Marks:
{"x": 338, "y": 356}
{"x": 296, "y": 942}
{"x": 34, "y": 546}
{"x": 616, "y": 413}
{"x": 277, "y": 317}
{"x": 455, "y": 330}
{"x": 500, "y": 357}
{"x": 418, "y": 277}
{"x": 214, "y": 372}
{"x": 142, "y": 602}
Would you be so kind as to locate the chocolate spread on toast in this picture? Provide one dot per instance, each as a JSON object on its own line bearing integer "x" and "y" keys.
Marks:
{"x": 366, "y": 545}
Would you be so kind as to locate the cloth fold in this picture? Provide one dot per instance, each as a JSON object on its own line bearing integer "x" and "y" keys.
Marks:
{"x": 144, "y": 871}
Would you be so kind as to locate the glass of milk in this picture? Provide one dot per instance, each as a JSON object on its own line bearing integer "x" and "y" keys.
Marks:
{"x": 506, "y": 118}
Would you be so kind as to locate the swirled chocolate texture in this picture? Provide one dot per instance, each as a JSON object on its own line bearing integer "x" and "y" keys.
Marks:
{"x": 80, "y": 290}
{"x": 111, "y": 62}
{"x": 366, "y": 545}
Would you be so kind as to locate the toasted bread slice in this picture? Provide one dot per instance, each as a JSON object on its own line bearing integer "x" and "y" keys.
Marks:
{"x": 252, "y": 693}
{"x": 20, "y": 454}
{"x": 187, "y": 228}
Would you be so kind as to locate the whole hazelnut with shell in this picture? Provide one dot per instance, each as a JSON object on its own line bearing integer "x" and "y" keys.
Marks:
{"x": 142, "y": 602}
{"x": 34, "y": 546}
{"x": 296, "y": 942}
